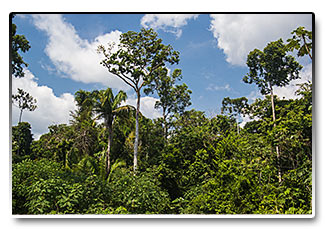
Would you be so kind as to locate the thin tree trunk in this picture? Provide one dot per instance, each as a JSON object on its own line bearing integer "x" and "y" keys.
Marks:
{"x": 136, "y": 141}
{"x": 165, "y": 124}
{"x": 20, "y": 115}
{"x": 108, "y": 152}
{"x": 307, "y": 49}
{"x": 274, "y": 125}
{"x": 272, "y": 102}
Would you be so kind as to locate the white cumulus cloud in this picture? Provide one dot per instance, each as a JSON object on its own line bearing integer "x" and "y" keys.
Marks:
{"x": 167, "y": 22}
{"x": 147, "y": 106}
{"x": 238, "y": 34}
{"x": 288, "y": 92}
{"x": 50, "y": 108}
{"x": 74, "y": 57}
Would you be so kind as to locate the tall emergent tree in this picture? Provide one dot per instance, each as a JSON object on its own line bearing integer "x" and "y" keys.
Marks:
{"x": 138, "y": 56}
{"x": 272, "y": 67}
{"x": 172, "y": 98}
{"x": 235, "y": 107}
{"x": 18, "y": 43}
{"x": 107, "y": 106}
{"x": 25, "y": 101}
{"x": 302, "y": 40}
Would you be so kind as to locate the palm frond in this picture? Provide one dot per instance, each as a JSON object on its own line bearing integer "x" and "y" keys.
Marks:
{"x": 126, "y": 109}
{"x": 118, "y": 99}
{"x": 118, "y": 163}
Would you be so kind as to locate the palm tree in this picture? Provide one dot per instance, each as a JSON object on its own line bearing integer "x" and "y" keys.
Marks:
{"x": 83, "y": 123}
{"x": 107, "y": 106}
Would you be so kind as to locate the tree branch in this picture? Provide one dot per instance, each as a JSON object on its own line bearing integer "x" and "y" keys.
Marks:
{"x": 121, "y": 77}
{"x": 307, "y": 49}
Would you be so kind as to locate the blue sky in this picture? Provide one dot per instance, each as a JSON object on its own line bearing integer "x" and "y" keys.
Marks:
{"x": 213, "y": 51}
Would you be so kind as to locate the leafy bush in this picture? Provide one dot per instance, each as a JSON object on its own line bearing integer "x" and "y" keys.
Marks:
{"x": 26, "y": 174}
{"x": 139, "y": 194}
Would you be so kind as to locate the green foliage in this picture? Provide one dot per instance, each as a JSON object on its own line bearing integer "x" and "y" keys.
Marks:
{"x": 107, "y": 106}
{"x": 235, "y": 106}
{"x": 301, "y": 41}
{"x": 45, "y": 187}
{"x": 138, "y": 194}
{"x": 24, "y": 175}
{"x": 19, "y": 43}
{"x": 139, "y": 55}
{"x": 205, "y": 168}
{"x": 84, "y": 125}
{"x": 173, "y": 98}
{"x": 61, "y": 196}
{"x": 152, "y": 142}
{"x": 223, "y": 183}
{"x": 193, "y": 132}
{"x": 268, "y": 68}
{"x": 202, "y": 166}
{"x": 56, "y": 145}
{"x": 21, "y": 141}
{"x": 271, "y": 67}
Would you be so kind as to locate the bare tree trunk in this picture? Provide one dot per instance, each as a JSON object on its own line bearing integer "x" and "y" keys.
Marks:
{"x": 274, "y": 125}
{"x": 20, "y": 115}
{"x": 272, "y": 102}
{"x": 136, "y": 141}
{"x": 165, "y": 124}
{"x": 108, "y": 152}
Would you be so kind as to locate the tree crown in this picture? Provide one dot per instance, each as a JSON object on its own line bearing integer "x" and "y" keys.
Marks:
{"x": 271, "y": 67}
{"x": 137, "y": 57}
